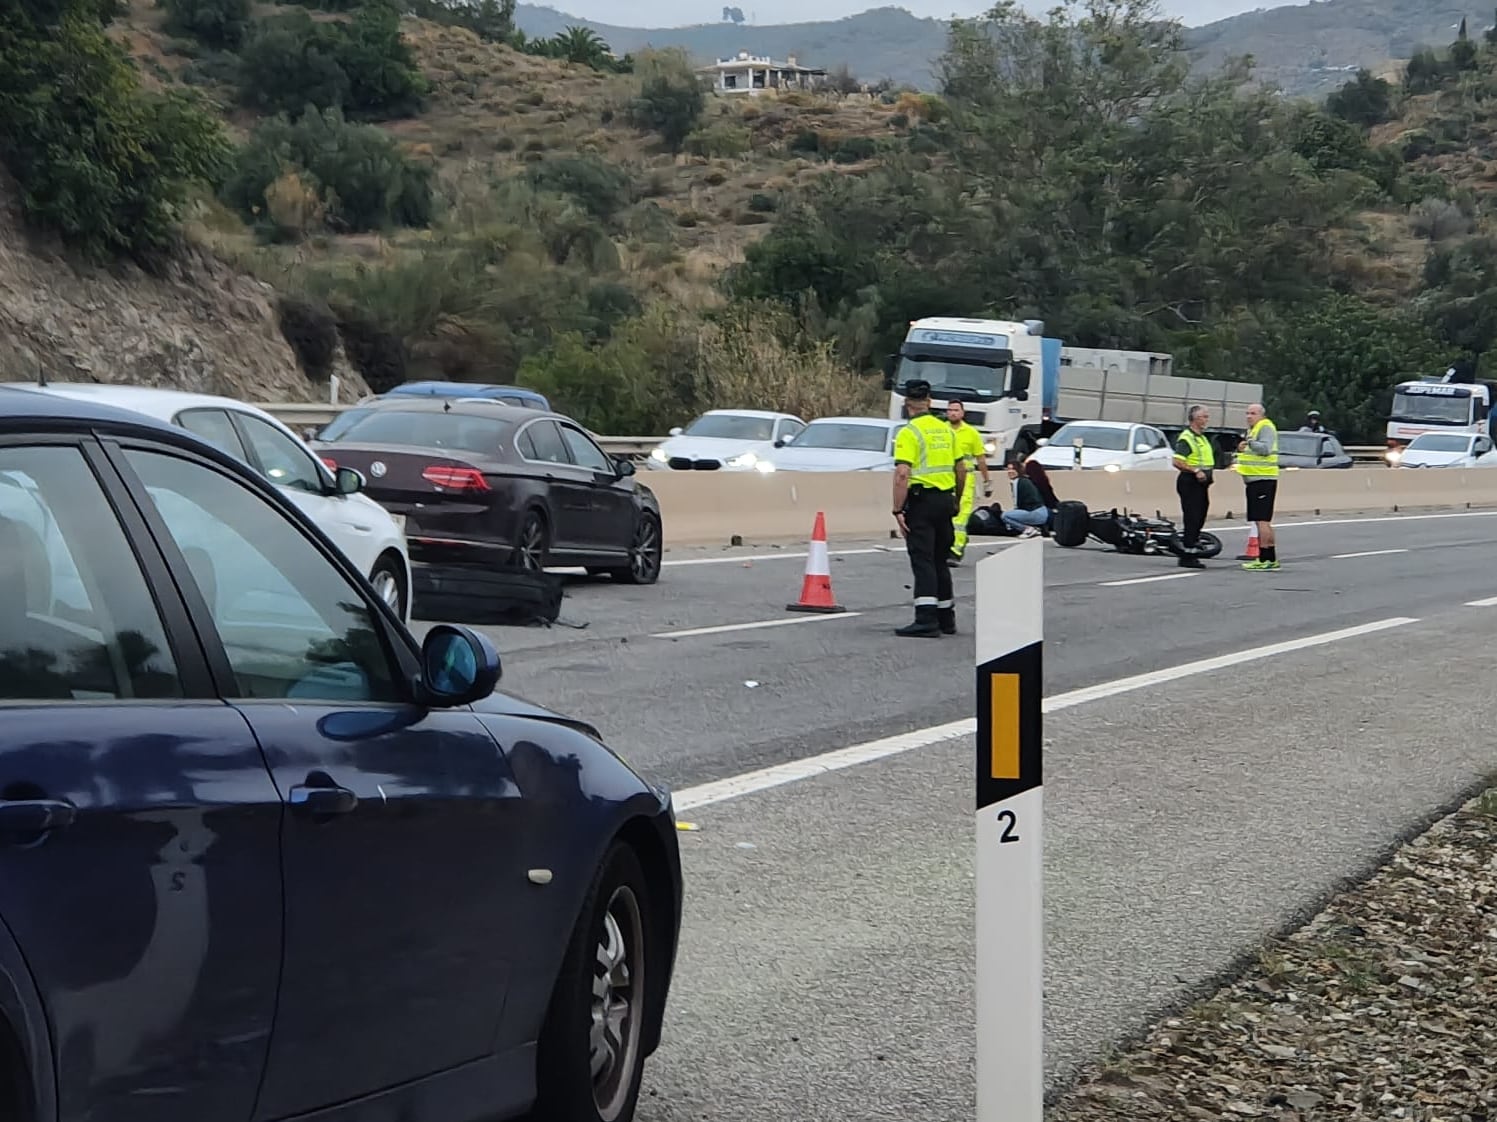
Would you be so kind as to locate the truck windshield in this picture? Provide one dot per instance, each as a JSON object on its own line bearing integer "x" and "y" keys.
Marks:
{"x": 1431, "y": 409}
{"x": 947, "y": 377}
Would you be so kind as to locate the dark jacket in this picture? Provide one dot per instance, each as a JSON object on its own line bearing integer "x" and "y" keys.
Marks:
{"x": 1037, "y": 474}
{"x": 1026, "y": 495}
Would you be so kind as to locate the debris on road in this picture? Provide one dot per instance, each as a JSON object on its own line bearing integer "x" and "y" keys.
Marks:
{"x": 1379, "y": 1008}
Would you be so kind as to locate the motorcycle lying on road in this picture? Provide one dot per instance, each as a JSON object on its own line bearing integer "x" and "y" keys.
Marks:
{"x": 1127, "y": 533}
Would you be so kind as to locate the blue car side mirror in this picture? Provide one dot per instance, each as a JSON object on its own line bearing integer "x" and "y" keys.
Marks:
{"x": 458, "y": 666}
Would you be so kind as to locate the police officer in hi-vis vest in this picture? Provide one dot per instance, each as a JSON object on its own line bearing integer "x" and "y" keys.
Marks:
{"x": 971, "y": 450}
{"x": 1195, "y": 460}
{"x": 1258, "y": 464}
{"x": 928, "y": 477}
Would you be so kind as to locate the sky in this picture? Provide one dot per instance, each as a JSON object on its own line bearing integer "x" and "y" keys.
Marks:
{"x": 677, "y": 13}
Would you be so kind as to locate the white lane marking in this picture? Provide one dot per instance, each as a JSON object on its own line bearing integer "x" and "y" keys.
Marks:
{"x": 1366, "y": 553}
{"x": 721, "y": 790}
{"x": 1145, "y": 580}
{"x": 1489, "y": 602}
{"x": 721, "y": 628}
{"x": 783, "y": 556}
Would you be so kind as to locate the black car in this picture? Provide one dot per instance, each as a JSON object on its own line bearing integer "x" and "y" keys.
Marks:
{"x": 485, "y": 483}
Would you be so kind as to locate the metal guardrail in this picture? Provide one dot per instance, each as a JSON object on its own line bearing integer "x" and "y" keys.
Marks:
{"x": 302, "y": 415}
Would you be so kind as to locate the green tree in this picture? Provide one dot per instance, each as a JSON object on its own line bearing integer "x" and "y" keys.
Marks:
{"x": 1342, "y": 356}
{"x": 670, "y": 99}
{"x": 1460, "y": 294}
{"x": 220, "y": 24}
{"x": 363, "y": 179}
{"x": 364, "y": 67}
{"x": 98, "y": 160}
{"x": 1364, "y": 101}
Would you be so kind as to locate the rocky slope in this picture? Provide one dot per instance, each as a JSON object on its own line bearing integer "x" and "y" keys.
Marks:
{"x": 200, "y": 326}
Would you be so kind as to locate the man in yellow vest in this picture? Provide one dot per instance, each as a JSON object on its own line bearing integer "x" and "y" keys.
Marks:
{"x": 928, "y": 476}
{"x": 974, "y": 453}
{"x": 1258, "y": 464}
{"x": 1195, "y": 460}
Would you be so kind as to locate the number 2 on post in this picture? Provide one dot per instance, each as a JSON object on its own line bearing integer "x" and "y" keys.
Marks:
{"x": 1010, "y": 822}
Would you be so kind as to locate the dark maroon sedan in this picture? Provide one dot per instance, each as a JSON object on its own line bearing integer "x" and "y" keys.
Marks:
{"x": 480, "y": 482}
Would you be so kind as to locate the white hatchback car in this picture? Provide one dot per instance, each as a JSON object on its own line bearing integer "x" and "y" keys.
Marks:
{"x": 837, "y": 444}
{"x": 368, "y": 535}
{"x": 1445, "y": 449}
{"x": 726, "y": 439}
{"x": 1106, "y": 445}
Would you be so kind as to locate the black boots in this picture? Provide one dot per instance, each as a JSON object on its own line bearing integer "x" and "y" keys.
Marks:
{"x": 930, "y": 623}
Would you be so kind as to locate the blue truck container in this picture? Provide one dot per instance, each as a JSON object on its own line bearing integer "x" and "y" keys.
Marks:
{"x": 1049, "y": 374}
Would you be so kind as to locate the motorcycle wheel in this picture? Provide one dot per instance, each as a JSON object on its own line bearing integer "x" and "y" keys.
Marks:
{"x": 1209, "y": 545}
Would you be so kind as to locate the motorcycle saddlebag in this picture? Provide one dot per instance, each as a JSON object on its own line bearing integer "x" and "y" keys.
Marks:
{"x": 1070, "y": 524}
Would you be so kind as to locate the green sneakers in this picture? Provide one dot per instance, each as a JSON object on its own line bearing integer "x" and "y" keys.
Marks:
{"x": 1260, "y": 566}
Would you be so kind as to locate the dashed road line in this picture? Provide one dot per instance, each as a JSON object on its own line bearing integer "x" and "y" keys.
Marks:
{"x": 1366, "y": 553}
{"x": 1489, "y": 602}
{"x": 765, "y": 779}
{"x": 725, "y": 627}
{"x": 1144, "y": 580}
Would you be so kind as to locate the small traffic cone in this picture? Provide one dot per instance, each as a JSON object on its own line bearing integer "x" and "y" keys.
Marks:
{"x": 816, "y": 589}
{"x": 1252, "y": 544}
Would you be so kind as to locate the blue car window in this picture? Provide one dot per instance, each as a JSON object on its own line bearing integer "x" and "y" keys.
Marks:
{"x": 291, "y": 624}
{"x": 77, "y": 621}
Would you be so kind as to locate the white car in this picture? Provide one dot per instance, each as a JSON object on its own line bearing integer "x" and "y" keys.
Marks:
{"x": 1445, "y": 449}
{"x": 1106, "y": 446}
{"x": 726, "y": 439}
{"x": 837, "y": 444}
{"x": 367, "y": 534}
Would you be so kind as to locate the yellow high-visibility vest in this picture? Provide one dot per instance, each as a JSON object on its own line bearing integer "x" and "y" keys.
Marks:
{"x": 1250, "y": 465}
{"x": 928, "y": 445}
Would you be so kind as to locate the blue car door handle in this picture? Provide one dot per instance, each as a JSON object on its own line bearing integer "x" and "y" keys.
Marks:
{"x": 35, "y": 816}
{"x": 324, "y": 800}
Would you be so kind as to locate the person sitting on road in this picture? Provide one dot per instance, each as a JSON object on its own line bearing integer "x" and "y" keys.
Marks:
{"x": 1028, "y": 512}
{"x": 1035, "y": 472}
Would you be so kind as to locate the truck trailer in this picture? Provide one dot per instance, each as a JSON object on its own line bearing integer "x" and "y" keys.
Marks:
{"x": 989, "y": 366}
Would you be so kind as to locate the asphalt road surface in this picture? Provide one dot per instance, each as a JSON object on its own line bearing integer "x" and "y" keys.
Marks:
{"x": 827, "y": 958}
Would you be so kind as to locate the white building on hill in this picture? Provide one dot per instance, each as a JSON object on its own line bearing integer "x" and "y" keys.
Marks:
{"x": 749, "y": 74}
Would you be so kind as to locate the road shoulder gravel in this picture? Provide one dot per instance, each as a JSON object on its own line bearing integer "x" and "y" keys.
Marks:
{"x": 1378, "y": 1008}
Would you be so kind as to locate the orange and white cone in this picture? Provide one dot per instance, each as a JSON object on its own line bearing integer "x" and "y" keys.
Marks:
{"x": 816, "y": 589}
{"x": 1252, "y": 544}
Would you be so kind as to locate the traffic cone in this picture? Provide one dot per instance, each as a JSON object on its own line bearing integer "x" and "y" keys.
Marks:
{"x": 1252, "y": 544}
{"x": 816, "y": 589}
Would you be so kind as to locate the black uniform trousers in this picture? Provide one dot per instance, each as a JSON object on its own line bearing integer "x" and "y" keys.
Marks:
{"x": 1195, "y": 500}
{"x": 928, "y": 515}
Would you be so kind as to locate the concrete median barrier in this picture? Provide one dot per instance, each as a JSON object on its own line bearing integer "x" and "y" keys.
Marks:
{"x": 712, "y": 508}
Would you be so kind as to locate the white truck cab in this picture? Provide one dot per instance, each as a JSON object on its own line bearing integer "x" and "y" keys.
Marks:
{"x": 986, "y": 364}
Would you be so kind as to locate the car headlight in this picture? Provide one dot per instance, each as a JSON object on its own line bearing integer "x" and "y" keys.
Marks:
{"x": 747, "y": 460}
{"x": 764, "y": 467}
{"x": 1112, "y": 467}
{"x": 1393, "y": 455}
{"x": 658, "y": 454}
{"x": 992, "y": 447}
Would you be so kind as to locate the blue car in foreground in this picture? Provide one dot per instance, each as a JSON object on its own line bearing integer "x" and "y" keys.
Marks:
{"x": 262, "y": 855}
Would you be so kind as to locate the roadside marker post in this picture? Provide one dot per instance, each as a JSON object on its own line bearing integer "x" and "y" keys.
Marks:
{"x": 1009, "y": 629}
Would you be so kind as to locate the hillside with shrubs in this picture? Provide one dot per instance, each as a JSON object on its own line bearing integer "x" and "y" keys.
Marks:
{"x": 428, "y": 193}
